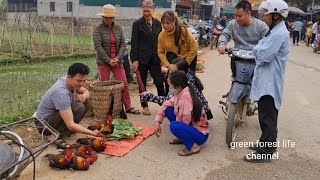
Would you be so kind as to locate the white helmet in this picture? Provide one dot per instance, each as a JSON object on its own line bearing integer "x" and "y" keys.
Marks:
{"x": 274, "y": 6}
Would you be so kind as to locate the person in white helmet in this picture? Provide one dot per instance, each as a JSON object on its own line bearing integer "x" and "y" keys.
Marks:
{"x": 267, "y": 86}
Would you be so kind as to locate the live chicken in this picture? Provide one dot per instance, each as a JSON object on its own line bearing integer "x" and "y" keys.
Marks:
{"x": 61, "y": 161}
{"x": 98, "y": 145}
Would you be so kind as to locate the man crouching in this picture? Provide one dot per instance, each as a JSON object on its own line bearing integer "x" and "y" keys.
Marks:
{"x": 64, "y": 105}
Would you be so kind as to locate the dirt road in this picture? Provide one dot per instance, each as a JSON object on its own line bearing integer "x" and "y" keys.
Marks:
{"x": 156, "y": 159}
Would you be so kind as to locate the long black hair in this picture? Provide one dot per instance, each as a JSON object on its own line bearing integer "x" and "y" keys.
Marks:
{"x": 170, "y": 16}
{"x": 183, "y": 65}
{"x": 179, "y": 79}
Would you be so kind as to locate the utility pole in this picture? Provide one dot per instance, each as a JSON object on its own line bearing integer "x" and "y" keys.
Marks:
{"x": 312, "y": 9}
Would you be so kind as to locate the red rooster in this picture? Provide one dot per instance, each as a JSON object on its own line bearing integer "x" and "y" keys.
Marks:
{"x": 106, "y": 127}
{"x": 79, "y": 163}
{"x": 83, "y": 151}
{"x": 61, "y": 161}
{"x": 98, "y": 145}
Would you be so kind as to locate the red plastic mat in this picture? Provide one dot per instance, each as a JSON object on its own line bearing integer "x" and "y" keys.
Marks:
{"x": 121, "y": 148}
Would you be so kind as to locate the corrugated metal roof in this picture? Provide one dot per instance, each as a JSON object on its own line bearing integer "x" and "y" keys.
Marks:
{"x": 21, "y": 1}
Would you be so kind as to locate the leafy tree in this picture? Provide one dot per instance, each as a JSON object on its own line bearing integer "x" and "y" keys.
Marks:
{"x": 302, "y": 4}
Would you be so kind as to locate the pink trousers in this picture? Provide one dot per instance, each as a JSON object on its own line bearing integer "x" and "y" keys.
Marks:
{"x": 120, "y": 75}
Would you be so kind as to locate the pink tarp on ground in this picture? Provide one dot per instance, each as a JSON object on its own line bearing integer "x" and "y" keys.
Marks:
{"x": 121, "y": 148}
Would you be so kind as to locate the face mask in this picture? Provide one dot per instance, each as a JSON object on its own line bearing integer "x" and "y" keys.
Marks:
{"x": 174, "y": 91}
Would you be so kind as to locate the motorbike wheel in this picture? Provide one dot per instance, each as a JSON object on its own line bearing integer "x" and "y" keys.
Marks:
{"x": 314, "y": 50}
{"x": 232, "y": 123}
{"x": 214, "y": 42}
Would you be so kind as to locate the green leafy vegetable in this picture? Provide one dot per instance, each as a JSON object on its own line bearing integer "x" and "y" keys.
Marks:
{"x": 124, "y": 130}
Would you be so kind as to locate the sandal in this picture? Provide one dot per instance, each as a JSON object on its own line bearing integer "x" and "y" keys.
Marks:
{"x": 61, "y": 144}
{"x": 187, "y": 152}
{"x": 175, "y": 141}
{"x": 133, "y": 111}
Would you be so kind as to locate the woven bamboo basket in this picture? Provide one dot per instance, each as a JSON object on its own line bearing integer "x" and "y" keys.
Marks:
{"x": 103, "y": 93}
{"x": 87, "y": 86}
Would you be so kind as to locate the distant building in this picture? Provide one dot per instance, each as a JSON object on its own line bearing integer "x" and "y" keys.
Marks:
{"x": 22, "y": 5}
{"x": 127, "y": 9}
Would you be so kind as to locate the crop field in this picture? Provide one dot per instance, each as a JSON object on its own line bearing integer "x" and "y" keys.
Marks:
{"x": 23, "y": 85}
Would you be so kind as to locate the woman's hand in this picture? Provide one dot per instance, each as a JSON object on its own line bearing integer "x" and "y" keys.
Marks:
{"x": 135, "y": 66}
{"x": 114, "y": 62}
{"x": 157, "y": 129}
{"x": 173, "y": 67}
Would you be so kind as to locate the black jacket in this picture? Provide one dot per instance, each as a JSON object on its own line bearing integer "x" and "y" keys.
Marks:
{"x": 144, "y": 43}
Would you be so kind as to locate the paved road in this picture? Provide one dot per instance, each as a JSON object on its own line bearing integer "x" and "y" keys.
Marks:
{"x": 156, "y": 159}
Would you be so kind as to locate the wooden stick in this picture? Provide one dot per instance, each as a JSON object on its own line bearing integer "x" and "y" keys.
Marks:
{"x": 72, "y": 33}
{"x": 51, "y": 38}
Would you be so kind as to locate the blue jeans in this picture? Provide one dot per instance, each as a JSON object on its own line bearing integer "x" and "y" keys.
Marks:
{"x": 186, "y": 133}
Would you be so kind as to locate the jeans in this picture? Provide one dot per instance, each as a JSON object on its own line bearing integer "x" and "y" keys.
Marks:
{"x": 303, "y": 36}
{"x": 119, "y": 75}
{"x": 186, "y": 133}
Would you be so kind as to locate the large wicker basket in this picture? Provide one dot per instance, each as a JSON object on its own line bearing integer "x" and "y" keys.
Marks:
{"x": 103, "y": 94}
{"x": 87, "y": 86}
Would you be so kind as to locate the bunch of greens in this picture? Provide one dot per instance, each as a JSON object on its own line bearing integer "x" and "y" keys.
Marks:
{"x": 124, "y": 130}
{"x": 199, "y": 67}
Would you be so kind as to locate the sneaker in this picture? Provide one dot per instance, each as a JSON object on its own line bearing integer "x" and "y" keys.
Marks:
{"x": 297, "y": 44}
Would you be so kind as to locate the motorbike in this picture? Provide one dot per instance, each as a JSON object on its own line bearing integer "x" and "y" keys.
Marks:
{"x": 17, "y": 151}
{"x": 204, "y": 36}
{"x": 237, "y": 104}
{"x": 316, "y": 44}
{"x": 216, "y": 34}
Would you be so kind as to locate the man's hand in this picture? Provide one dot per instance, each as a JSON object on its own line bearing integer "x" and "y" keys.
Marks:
{"x": 135, "y": 66}
{"x": 222, "y": 49}
{"x": 157, "y": 129}
{"x": 100, "y": 134}
{"x": 81, "y": 98}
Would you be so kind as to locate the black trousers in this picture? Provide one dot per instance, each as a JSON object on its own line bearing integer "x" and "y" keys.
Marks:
{"x": 126, "y": 65}
{"x": 312, "y": 38}
{"x": 296, "y": 37}
{"x": 155, "y": 71}
{"x": 268, "y": 119}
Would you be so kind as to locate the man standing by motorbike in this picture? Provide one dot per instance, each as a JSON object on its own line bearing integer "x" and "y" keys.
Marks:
{"x": 245, "y": 30}
{"x": 267, "y": 86}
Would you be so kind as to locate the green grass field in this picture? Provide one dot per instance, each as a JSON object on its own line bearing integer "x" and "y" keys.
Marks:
{"x": 19, "y": 41}
{"x": 22, "y": 86}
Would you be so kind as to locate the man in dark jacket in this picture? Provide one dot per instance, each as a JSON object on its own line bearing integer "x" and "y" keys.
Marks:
{"x": 144, "y": 45}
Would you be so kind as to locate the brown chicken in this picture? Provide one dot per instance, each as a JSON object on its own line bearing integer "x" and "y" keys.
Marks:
{"x": 60, "y": 161}
{"x": 106, "y": 128}
{"x": 79, "y": 163}
{"x": 98, "y": 145}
